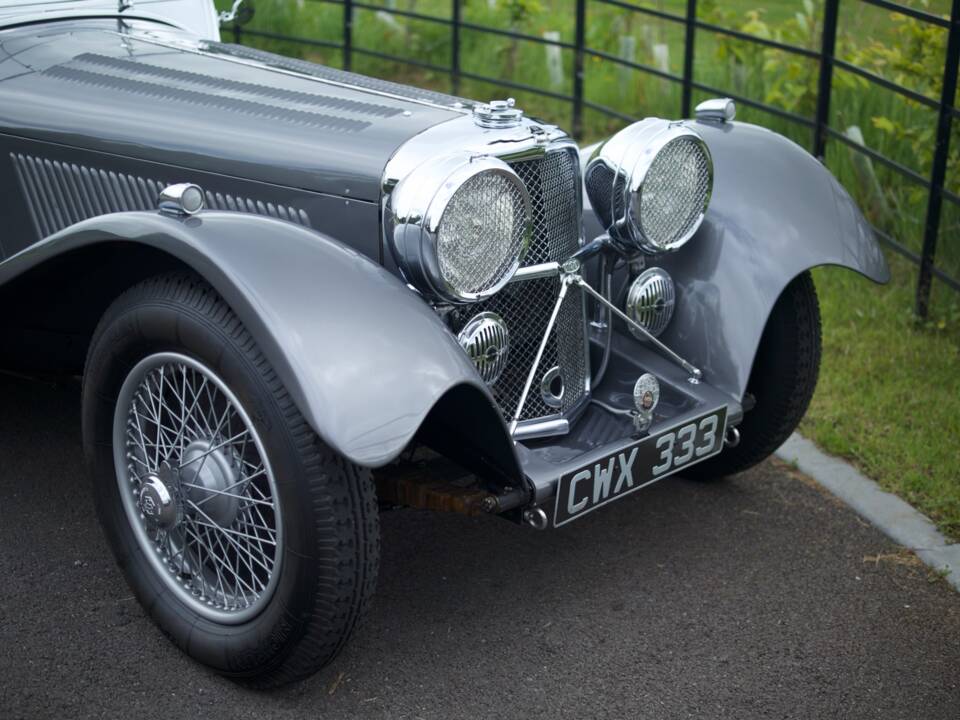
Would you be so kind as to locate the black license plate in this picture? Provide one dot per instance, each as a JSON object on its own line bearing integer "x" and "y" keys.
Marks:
{"x": 638, "y": 464}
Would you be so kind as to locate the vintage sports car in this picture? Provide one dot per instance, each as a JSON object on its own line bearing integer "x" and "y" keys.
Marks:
{"x": 295, "y": 295}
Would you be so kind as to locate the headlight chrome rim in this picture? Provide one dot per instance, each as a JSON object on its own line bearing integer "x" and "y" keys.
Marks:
{"x": 627, "y": 159}
{"x": 415, "y": 212}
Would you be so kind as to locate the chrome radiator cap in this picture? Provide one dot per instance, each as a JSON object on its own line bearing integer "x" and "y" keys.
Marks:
{"x": 497, "y": 114}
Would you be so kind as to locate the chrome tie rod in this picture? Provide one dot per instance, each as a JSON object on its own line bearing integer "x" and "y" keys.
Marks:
{"x": 570, "y": 275}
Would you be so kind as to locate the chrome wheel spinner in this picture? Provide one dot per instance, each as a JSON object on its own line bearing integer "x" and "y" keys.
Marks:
{"x": 211, "y": 477}
{"x": 159, "y": 499}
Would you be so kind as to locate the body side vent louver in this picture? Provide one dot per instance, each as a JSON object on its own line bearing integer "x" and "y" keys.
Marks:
{"x": 60, "y": 194}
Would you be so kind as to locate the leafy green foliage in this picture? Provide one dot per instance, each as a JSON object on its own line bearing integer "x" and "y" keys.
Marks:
{"x": 520, "y": 11}
{"x": 786, "y": 80}
{"x": 913, "y": 58}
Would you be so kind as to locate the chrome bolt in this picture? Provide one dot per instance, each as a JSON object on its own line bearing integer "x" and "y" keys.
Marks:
{"x": 536, "y": 518}
{"x": 489, "y": 504}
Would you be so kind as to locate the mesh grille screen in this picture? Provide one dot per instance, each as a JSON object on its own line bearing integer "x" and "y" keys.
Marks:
{"x": 481, "y": 233}
{"x": 552, "y": 184}
{"x": 525, "y": 306}
{"x": 600, "y": 187}
{"x": 674, "y": 191}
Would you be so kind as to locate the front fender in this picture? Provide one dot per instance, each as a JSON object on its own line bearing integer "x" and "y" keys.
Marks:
{"x": 364, "y": 359}
{"x": 775, "y": 213}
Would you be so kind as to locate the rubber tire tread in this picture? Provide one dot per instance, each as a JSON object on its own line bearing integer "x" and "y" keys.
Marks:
{"x": 337, "y": 495}
{"x": 782, "y": 381}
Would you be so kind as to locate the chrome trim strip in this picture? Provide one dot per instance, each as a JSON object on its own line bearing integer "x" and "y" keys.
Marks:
{"x": 535, "y": 272}
{"x": 530, "y": 429}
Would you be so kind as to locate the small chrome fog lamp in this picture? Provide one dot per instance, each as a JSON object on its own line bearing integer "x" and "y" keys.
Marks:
{"x": 650, "y": 301}
{"x": 650, "y": 185}
{"x": 458, "y": 226}
{"x": 486, "y": 340}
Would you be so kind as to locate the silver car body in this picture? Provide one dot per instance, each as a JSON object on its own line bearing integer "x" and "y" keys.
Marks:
{"x": 103, "y": 107}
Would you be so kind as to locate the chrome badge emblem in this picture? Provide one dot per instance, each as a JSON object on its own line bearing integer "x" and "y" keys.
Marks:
{"x": 148, "y": 504}
{"x": 486, "y": 340}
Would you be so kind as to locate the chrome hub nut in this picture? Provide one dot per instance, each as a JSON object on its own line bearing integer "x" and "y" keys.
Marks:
{"x": 158, "y": 504}
{"x": 210, "y": 477}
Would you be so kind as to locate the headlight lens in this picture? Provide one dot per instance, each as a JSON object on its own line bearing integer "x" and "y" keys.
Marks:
{"x": 672, "y": 198}
{"x": 482, "y": 233}
{"x": 459, "y": 227}
{"x": 650, "y": 184}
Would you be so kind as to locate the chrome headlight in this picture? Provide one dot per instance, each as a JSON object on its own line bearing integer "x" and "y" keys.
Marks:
{"x": 459, "y": 226}
{"x": 650, "y": 184}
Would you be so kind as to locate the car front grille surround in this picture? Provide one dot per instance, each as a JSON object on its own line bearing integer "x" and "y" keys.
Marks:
{"x": 525, "y": 304}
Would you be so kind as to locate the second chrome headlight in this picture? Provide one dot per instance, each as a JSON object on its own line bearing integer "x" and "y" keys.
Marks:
{"x": 650, "y": 184}
{"x": 459, "y": 226}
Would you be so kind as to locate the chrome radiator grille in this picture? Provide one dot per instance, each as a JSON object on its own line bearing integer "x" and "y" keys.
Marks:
{"x": 553, "y": 182}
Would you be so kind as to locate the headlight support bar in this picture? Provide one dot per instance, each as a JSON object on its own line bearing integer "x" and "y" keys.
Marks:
{"x": 695, "y": 374}
{"x": 570, "y": 275}
{"x": 565, "y": 283}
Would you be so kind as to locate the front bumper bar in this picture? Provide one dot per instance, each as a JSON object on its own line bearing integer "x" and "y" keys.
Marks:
{"x": 599, "y": 431}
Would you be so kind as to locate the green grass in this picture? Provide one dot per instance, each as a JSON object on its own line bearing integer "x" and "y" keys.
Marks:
{"x": 889, "y": 394}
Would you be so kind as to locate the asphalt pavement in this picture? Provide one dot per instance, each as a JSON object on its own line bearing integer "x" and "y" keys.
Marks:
{"x": 757, "y": 597}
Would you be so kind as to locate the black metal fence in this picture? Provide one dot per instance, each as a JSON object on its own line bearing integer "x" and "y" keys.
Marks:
{"x": 819, "y": 124}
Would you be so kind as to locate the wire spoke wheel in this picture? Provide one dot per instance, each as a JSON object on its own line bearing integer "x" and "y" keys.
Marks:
{"x": 197, "y": 487}
{"x": 254, "y": 546}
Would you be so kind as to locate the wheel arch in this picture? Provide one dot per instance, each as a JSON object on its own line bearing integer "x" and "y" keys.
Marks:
{"x": 366, "y": 361}
{"x": 49, "y": 332}
{"x": 775, "y": 213}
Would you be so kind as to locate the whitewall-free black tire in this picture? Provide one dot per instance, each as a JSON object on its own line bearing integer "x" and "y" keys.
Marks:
{"x": 252, "y": 545}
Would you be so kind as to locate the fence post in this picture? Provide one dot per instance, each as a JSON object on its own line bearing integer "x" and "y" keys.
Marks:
{"x": 689, "y": 44}
{"x": 347, "y": 33}
{"x": 827, "y": 49}
{"x": 938, "y": 172}
{"x": 579, "y": 41}
{"x": 236, "y": 32}
{"x": 455, "y": 49}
